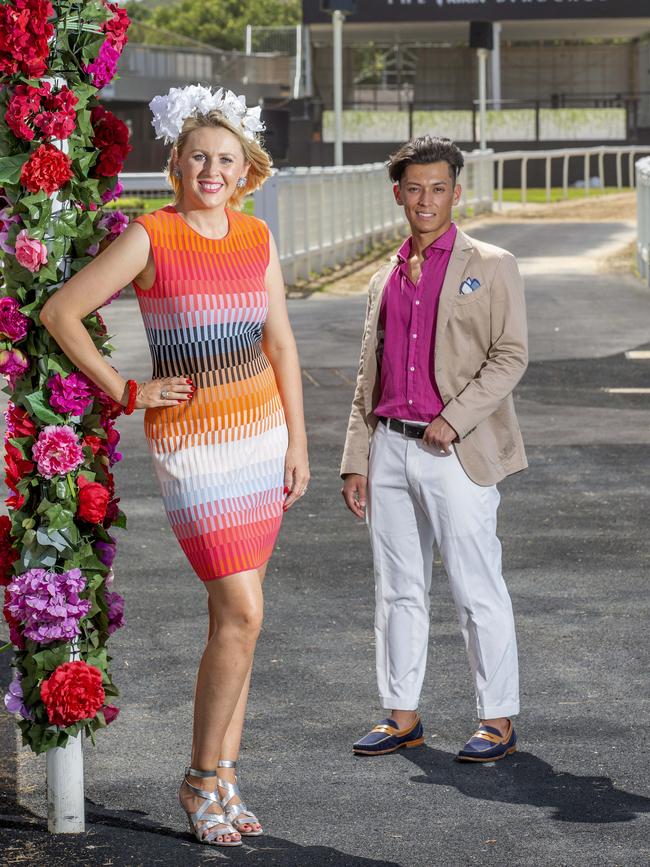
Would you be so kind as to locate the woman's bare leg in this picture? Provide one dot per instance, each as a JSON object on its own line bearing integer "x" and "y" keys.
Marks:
{"x": 236, "y": 610}
{"x": 232, "y": 738}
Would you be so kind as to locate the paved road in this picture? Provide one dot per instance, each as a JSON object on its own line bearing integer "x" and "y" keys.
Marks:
{"x": 576, "y": 553}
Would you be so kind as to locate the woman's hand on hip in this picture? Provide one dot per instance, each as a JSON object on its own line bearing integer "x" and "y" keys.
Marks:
{"x": 296, "y": 475}
{"x": 164, "y": 392}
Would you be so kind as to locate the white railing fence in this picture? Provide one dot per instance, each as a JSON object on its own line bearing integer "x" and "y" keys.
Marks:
{"x": 611, "y": 178}
{"x": 643, "y": 217}
{"x": 323, "y": 217}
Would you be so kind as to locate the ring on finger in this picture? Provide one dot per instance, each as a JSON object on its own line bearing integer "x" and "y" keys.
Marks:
{"x": 164, "y": 395}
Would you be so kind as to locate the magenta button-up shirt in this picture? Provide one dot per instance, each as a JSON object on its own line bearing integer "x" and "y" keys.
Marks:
{"x": 408, "y": 318}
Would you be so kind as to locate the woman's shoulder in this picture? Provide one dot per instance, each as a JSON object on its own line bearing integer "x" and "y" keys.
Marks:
{"x": 159, "y": 217}
{"x": 248, "y": 224}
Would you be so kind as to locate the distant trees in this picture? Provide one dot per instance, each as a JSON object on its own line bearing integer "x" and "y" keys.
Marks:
{"x": 219, "y": 23}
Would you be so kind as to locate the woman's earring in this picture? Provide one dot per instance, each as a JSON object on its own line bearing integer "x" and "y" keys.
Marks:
{"x": 241, "y": 182}
{"x": 177, "y": 173}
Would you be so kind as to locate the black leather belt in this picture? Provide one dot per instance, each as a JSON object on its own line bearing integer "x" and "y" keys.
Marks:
{"x": 412, "y": 431}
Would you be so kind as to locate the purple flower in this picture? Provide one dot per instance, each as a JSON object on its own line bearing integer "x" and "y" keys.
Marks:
{"x": 104, "y": 67}
{"x": 57, "y": 450}
{"x": 115, "y": 222}
{"x": 47, "y": 604}
{"x": 115, "y": 604}
{"x": 115, "y": 193}
{"x": 106, "y": 551}
{"x": 13, "y": 323}
{"x": 6, "y": 222}
{"x": 14, "y": 700}
{"x": 92, "y": 250}
{"x": 73, "y": 393}
{"x": 13, "y": 363}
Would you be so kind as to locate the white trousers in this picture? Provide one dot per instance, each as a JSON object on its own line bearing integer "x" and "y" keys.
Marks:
{"x": 417, "y": 498}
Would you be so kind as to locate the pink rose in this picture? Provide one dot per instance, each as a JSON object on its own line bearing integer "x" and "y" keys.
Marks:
{"x": 31, "y": 254}
{"x": 57, "y": 451}
{"x": 13, "y": 323}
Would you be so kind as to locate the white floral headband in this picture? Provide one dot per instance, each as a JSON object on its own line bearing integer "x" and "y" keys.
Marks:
{"x": 171, "y": 111}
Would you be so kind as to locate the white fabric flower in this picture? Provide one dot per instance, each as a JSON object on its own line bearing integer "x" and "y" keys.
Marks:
{"x": 173, "y": 109}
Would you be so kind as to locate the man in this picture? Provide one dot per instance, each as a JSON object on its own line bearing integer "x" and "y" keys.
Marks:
{"x": 431, "y": 431}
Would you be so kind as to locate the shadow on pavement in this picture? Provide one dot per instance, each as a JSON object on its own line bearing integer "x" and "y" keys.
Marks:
{"x": 526, "y": 779}
{"x": 125, "y": 836}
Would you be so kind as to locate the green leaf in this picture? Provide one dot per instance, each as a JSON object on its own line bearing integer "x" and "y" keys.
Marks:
{"x": 42, "y": 411}
{"x": 11, "y": 167}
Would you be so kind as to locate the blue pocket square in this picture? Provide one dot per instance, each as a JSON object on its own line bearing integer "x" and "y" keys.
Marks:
{"x": 468, "y": 286}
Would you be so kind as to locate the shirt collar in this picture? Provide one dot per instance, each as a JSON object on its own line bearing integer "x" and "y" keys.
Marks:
{"x": 444, "y": 242}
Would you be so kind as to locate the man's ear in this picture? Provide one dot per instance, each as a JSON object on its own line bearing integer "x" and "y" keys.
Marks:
{"x": 398, "y": 194}
{"x": 457, "y": 191}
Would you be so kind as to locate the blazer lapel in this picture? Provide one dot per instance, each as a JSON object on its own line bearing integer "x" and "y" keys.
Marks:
{"x": 453, "y": 278}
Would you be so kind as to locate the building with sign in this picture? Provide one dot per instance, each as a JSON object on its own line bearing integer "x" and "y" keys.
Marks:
{"x": 560, "y": 71}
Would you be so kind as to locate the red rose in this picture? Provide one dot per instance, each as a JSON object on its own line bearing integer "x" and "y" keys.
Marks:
{"x": 95, "y": 443}
{"x": 47, "y": 169}
{"x": 19, "y": 424}
{"x": 25, "y": 33}
{"x": 116, "y": 27}
{"x": 111, "y": 138}
{"x": 73, "y": 692}
{"x": 110, "y": 713}
{"x": 112, "y": 512}
{"x": 93, "y": 500}
{"x": 16, "y": 468}
{"x": 8, "y": 554}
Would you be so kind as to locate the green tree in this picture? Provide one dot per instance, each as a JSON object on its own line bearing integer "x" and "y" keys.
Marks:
{"x": 220, "y": 23}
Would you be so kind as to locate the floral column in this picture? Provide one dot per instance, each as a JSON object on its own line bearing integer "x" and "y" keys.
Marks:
{"x": 56, "y": 545}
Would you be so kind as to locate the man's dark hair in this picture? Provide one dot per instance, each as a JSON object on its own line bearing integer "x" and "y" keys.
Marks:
{"x": 426, "y": 149}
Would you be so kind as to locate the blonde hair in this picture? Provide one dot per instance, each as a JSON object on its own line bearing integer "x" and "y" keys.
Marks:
{"x": 254, "y": 154}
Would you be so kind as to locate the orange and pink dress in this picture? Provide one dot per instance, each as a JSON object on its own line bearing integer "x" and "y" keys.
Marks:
{"x": 219, "y": 457}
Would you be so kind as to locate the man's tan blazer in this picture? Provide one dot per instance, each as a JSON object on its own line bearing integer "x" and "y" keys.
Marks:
{"x": 481, "y": 353}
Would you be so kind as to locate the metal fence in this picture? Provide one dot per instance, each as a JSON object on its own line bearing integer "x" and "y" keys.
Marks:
{"x": 643, "y": 217}
{"x": 324, "y": 217}
{"x": 565, "y": 154}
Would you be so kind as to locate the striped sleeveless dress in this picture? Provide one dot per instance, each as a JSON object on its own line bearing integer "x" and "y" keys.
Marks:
{"x": 219, "y": 458}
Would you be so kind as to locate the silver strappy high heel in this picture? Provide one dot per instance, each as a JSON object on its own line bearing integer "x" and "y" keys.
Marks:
{"x": 201, "y": 821}
{"x": 237, "y": 814}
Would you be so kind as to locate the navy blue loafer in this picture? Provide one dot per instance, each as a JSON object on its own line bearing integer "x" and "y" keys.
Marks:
{"x": 385, "y": 737}
{"x": 487, "y": 744}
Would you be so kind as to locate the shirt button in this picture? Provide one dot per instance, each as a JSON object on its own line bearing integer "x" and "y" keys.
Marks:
{"x": 417, "y": 302}
{"x": 411, "y": 369}
{"x": 414, "y": 336}
{"x": 410, "y": 402}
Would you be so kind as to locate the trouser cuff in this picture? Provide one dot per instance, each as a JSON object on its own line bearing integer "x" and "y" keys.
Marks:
{"x": 496, "y": 711}
{"x": 394, "y": 703}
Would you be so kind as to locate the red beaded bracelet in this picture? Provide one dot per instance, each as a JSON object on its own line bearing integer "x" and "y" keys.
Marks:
{"x": 132, "y": 385}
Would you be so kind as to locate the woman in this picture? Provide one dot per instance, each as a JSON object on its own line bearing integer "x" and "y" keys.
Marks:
{"x": 224, "y": 415}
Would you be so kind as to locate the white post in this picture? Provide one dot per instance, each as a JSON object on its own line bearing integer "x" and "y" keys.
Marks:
{"x": 337, "y": 37}
{"x": 298, "y": 73}
{"x": 65, "y": 788}
{"x": 482, "y": 96}
{"x": 249, "y": 39}
{"x": 65, "y": 765}
{"x": 495, "y": 67}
